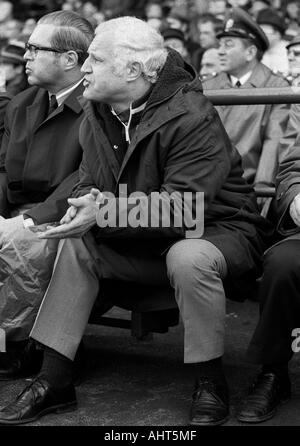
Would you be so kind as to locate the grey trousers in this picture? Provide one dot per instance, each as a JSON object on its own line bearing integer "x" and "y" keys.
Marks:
{"x": 74, "y": 287}
{"x": 196, "y": 269}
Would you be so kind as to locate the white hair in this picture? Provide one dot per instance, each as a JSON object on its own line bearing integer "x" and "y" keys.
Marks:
{"x": 135, "y": 41}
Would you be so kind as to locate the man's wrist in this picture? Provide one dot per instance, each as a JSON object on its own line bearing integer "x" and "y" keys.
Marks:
{"x": 27, "y": 222}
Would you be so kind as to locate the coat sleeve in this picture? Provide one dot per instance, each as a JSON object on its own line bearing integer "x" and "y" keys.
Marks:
{"x": 4, "y": 138}
{"x": 85, "y": 182}
{"x": 288, "y": 186}
{"x": 268, "y": 163}
{"x": 56, "y": 205}
{"x": 198, "y": 161}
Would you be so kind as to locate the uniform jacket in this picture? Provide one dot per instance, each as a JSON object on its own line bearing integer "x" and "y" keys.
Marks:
{"x": 180, "y": 145}
{"x": 40, "y": 155}
{"x": 254, "y": 129}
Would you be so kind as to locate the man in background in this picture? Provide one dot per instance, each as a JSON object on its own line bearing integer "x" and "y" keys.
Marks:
{"x": 254, "y": 129}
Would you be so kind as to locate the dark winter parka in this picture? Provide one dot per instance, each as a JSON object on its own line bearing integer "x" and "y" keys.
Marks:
{"x": 180, "y": 145}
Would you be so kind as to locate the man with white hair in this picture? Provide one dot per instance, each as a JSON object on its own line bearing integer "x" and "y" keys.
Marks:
{"x": 149, "y": 137}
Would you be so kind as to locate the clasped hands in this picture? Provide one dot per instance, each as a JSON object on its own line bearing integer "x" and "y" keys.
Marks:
{"x": 79, "y": 218}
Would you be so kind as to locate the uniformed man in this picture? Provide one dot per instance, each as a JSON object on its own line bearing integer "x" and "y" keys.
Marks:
{"x": 254, "y": 129}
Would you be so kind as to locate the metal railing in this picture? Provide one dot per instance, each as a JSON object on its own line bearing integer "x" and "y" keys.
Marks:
{"x": 246, "y": 96}
{"x": 255, "y": 96}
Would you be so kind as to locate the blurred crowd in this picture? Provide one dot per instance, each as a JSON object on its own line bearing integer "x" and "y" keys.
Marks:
{"x": 189, "y": 26}
{"x": 195, "y": 28}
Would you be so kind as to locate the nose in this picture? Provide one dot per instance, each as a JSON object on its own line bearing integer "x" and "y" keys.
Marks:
{"x": 291, "y": 56}
{"x": 86, "y": 67}
{"x": 203, "y": 71}
{"x": 27, "y": 55}
{"x": 221, "y": 50}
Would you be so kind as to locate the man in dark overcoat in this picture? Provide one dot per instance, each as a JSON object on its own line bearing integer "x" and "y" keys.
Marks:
{"x": 39, "y": 160}
{"x": 276, "y": 336}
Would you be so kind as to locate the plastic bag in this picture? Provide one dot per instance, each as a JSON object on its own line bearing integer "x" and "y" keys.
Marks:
{"x": 26, "y": 264}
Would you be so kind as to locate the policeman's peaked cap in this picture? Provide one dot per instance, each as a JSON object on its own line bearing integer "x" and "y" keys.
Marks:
{"x": 238, "y": 23}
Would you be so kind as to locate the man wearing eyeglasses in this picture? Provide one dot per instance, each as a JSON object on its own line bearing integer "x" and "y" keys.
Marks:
{"x": 39, "y": 160}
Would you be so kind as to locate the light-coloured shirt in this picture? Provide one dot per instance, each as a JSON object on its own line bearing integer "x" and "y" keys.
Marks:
{"x": 242, "y": 79}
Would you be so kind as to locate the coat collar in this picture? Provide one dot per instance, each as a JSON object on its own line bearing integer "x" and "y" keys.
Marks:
{"x": 258, "y": 77}
{"x": 72, "y": 100}
{"x": 37, "y": 111}
{"x": 256, "y": 80}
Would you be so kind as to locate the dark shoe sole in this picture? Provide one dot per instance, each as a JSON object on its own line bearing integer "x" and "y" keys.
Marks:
{"x": 265, "y": 417}
{"x": 253, "y": 420}
{"x": 60, "y": 408}
{"x": 215, "y": 423}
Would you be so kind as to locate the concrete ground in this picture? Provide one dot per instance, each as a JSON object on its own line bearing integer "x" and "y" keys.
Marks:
{"x": 144, "y": 383}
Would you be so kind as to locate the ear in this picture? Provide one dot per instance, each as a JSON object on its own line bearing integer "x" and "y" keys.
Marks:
{"x": 70, "y": 60}
{"x": 134, "y": 71}
{"x": 251, "y": 53}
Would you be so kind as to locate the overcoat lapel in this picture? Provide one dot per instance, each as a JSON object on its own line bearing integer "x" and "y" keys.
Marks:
{"x": 103, "y": 145}
{"x": 36, "y": 112}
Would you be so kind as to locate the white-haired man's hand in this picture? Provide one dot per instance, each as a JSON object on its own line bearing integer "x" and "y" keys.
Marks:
{"x": 78, "y": 219}
{"x": 295, "y": 210}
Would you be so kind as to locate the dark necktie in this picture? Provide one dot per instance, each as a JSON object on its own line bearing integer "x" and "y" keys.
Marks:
{"x": 238, "y": 84}
{"x": 52, "y": 104}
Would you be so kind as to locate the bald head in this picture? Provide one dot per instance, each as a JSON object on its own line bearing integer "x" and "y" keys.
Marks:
{"x": 210, "y": 63}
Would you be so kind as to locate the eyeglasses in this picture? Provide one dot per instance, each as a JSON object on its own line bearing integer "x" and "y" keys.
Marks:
{"x": 33, "y": 49}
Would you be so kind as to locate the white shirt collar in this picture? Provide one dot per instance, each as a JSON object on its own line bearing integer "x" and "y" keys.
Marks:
{"x": 242, "y": 79}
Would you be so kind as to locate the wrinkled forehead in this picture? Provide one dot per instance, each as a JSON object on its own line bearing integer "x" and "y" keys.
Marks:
{"x": 206, "y": 26}
{"x": 211, "y": 55}
{"x": 103, "y": 41}
{"x": 233, "y": 40}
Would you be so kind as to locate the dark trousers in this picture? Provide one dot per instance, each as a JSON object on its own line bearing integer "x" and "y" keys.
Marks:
{"x": 279, "y": 294}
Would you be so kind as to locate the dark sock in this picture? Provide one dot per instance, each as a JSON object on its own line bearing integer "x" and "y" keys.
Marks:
{"x": 210, "y": 369}
{"x": 80, "y": 357}
{"x": 57, "y": 369}
{"x": 16, "y": 346}
{"x": 281, "y": 370}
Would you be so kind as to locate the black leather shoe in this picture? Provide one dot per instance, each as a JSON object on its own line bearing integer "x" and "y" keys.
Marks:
{"x": 36, "y": 400}
{"x": 21, "y": 363}
{"x": 210, "y": 405}
{"x": 267, "y": 392}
